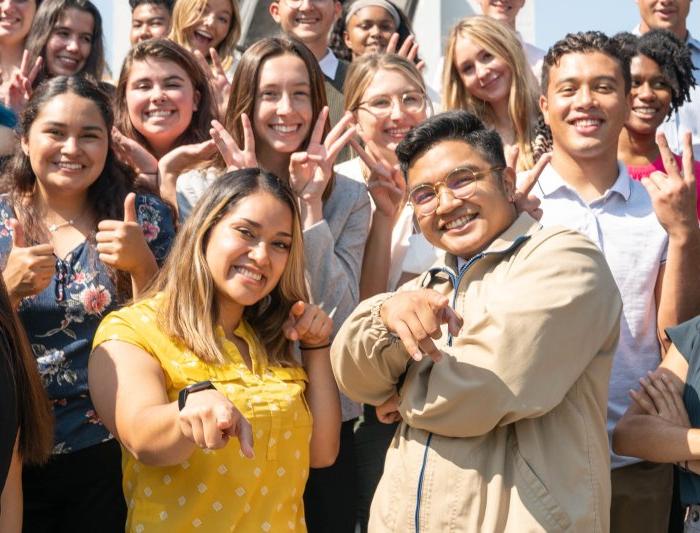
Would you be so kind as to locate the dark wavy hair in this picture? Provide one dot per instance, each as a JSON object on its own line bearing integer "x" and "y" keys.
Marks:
{"x": 669, "y": 53}
{"x": 167, "y": 50}
{"x": 46, "y": 18}
{"x": 167, "y": 4}
{"x": 586, "y": 42}
{"x": 105, "y": 196}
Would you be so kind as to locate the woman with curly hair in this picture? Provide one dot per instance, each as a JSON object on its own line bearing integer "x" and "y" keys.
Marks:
{"x": 662, "y": 76}
{"x": 75, "y": 243}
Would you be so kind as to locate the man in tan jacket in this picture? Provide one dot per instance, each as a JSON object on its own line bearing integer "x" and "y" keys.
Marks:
{"x": 503, "y": 352}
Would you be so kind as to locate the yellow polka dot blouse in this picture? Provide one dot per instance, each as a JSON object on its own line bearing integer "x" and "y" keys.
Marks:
{"x": 220, "y": 490}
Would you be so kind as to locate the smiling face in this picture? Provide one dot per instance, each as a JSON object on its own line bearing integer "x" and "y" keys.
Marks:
{"x": 585, "y": 106}
{"x": 15, "y": 20}
{"x": 485, "y": 75}
{"x": 160, "y": 100}
{"x": 463, "y": 227}
{"x": 247, "y": 250}
{"x": 149, "y": 21}
{"x": 70, "y": 43}
{"x": 651, "y": 96}
{"x": 283, "y": 110}
{"x": 503, "y": 10}
{"x": 387, "y": 88}
{"x": 310, "y": 21}
{"x": 664, "y": 15}
{"x": 213, "y": 26}
{"x": 369, "y": 30}
{"x": 67, "y": 145}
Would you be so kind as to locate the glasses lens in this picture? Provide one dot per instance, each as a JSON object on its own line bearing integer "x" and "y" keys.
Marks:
{"x": 413, "y": 102}
{"x": 462, "y": 183}
{"x": 424, "y": 199}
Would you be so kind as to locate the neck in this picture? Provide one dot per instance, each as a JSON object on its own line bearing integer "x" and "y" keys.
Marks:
{"x": 503, "y": 124}
{"x": 680, "y": 31}
{"x": 10, "y": 57}
{"x": 160, "y": 147}
{"x": 275, "y": 162}
{"x": 319, "y": 48}
{"x": 637, "y": 148}
{"x": 230, "y": 314}
{"x": 589, "y": 177}
{"x": 64, "y": 206}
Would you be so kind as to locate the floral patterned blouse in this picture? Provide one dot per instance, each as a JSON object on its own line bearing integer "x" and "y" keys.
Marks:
{"x": 61, "y": 321}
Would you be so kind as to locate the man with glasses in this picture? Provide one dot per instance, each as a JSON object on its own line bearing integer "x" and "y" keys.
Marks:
{"x": 500, "y": 354}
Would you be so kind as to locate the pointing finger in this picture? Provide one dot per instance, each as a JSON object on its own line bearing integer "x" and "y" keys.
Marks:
{"x": 317, "y": 134}
{"x": 534, "y": 174}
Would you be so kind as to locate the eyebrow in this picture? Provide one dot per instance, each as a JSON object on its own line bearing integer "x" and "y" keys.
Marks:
{"x": 572, "y": 79}
{"x": 89, "y": 127}
{"x": 174, "y": 77}
{"x": 257, "y": 225}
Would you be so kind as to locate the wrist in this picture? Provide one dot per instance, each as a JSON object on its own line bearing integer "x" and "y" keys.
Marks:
{"x": 315, "y": 346}
{"x": 311, "y": 212}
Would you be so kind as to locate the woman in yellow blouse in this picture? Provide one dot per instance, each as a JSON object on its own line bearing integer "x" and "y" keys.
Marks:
{"x": 208, "y": 356}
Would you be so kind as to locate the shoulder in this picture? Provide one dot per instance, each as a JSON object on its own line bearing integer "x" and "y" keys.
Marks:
{"x": 351, "y": 169}
{"x": 348, "y": 190}
{"x": 132, "y": 323}
{"x": 559, "y": 245}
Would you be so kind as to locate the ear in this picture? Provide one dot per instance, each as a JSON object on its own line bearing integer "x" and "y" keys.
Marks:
{"x": 346, "y": 39}
{"x": 338, "y": 10}
{"x": 544, "y": 108}
{"x": 509, "y": 183}
{"x": 196, "y": 97}
{"x": 274, "y": 11}
{"x": 25, "y": 145}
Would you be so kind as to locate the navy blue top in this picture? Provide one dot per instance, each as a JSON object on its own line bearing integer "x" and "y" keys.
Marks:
{"x": 686, "y": 337}
{"x": 62, "y": 319}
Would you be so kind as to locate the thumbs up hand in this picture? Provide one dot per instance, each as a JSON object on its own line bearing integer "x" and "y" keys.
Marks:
{"x": 121, "y": 244}
{"x": 29, "y": 268}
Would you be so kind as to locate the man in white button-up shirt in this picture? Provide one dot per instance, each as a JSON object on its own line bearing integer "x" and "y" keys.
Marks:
{"x": 649, "y": 237}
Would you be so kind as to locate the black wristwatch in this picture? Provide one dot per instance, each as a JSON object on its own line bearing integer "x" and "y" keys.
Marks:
{"x": 195, "y": 387}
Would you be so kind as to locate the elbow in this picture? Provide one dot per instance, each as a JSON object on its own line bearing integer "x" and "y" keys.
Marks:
{"x": 620, "y": 442}
{"x": 325, "y": 456}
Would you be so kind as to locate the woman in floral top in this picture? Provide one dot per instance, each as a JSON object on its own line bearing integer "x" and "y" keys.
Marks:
{"x": 75, "y": 242}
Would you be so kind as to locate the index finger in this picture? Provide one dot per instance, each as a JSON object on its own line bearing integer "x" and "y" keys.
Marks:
{"x": 35, "y": 69}
{"x": 248, "y": 135}
{"x": 24, "y": 65}
{"x": 393, "y": 43}
{"x": 667, "y": 156}
{"x": 406, "y": 46}
{"x": 317, "y": 134}
{"x": 512, "y": 154}
{"x": 201, "y": 60}
{"x": 534, "y": 174}
{"x": 245, "y": 437}
{"x": 688, "y": 159}
{"x": 216, "y": 61}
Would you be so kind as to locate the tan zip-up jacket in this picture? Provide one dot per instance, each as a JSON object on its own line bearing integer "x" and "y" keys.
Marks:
{"x": 507, "y": 432}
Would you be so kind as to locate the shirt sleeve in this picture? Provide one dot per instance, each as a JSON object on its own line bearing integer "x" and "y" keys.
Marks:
{"x": 156, "y": 220}
{"x": 122, "y": 326}
{"x": 686, "y": 338}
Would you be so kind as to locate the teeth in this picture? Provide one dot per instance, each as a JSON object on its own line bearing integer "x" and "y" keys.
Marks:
{"x": 204, "y": 34}
{"x": 645, "y": 110}
{"x": 281, "y": 128}
{"x": 398, "y": 131}
{"x": 70, "y": 166}
{"x": 461, "y": 221}
{"x": 587, "y": 122}
{"x": 159, "y": 113}
{"x": 248, "y": 274}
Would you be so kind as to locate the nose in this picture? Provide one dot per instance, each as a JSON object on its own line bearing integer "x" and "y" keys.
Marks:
{"x": 72, "y": 44}
{"x": 70, "y": 145}
{"x": 284, "y": 104}
{"x": 260, "y": 254}
{"x": 157, "y": 93}
{"x": 305, "y": 4}
{"x": 584, "y": 97}
{"x": 645, "y": 92}
{"x": 482, "y": 72}
{"x": 396, "y": 109}
{"x": 374, "y": 29}
{"x": 447, "y": 201}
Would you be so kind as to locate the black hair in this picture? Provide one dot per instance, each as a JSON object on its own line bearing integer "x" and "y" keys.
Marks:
{"x": 669, "y": 53}
{"x": 450, "y": 126}
{"x": 586, "y": 42}
{"x": 167, "y": 4}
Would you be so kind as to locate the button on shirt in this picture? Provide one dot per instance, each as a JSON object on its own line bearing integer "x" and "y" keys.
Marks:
{"x": 622, "y": 223}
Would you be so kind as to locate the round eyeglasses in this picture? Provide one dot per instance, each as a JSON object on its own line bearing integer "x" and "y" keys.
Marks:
{"x": 425, "y": 198}
{"x": 382, "y": 106}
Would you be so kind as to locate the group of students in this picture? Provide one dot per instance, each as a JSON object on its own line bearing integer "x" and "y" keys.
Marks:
{"x": 181, "y": 250}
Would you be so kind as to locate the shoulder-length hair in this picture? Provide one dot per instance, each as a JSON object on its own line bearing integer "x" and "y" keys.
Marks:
{"x": 45, "y": 20}
{"x": 105, "y": 197}
{"x": 34, "y": 412}
{"x": 187, "y": 14}
{"x": 166, "y": 50}
{"x": 189, "y": 310}
{"x": 503, "y": 42}
{"x": 363, "y": 70}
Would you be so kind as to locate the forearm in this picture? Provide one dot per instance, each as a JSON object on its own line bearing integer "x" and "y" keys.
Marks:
{"x": 377, "y": 259}
{"x": 651, "y": 438}
{"x": 324, "y": 403}
{"x": 680, "y": 294}
{"x": 142, "y": 277}
{"x": 167, "y": 187}
{"x": 153, "y": 436}
{"x": 11, "y": 499}
{"x": 311, "y": 212}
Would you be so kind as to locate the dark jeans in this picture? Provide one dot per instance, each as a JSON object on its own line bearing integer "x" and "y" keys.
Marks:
{"x": 330, "y": 498}
{"x": 76, "y": 492}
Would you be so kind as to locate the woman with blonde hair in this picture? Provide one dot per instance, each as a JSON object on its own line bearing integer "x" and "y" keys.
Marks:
{"x": 487, "y": 74}
{"x": 208, "y": 355}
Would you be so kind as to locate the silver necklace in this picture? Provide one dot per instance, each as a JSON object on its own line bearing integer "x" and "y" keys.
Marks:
{"x": 53, "y": 228}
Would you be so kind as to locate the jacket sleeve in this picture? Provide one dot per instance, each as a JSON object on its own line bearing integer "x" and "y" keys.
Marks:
{"x": 333, "y": 265}
{"x": 556, "y": 311}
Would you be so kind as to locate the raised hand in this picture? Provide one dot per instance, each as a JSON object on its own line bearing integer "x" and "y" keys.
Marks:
{"x": 20, "y": 89}
{"x": 308, "y": 324}
{"x": 217, "y": 79}
{"x": 408, "y": 50}
{"x": 673, "y": 194}
{"x": 209, "y": 419}
{"x": 121, "y": 244}
{"x": 385, "y": 181}
{"x": 310, "y": 171}
{"x": 235, "y": 157}
{"x": 524, "y": 201}
{"x": 29, "y": 268}
{"x": 136, "y": 156}
{"x": 416, "y": 317}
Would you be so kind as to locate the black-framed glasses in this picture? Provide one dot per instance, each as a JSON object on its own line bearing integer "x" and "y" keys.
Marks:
{"x": 382, "y": 106}
{"x": 425, "y": 198}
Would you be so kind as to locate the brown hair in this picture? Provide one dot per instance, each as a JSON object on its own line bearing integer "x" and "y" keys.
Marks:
{"x": 34, "y": 412}
{"x": 166, "y": 50}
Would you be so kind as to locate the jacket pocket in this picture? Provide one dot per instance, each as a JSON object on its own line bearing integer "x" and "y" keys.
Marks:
{"x": 535, "y": 496}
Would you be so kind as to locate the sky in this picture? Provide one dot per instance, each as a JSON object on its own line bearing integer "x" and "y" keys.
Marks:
{"x": 555, "y": 18}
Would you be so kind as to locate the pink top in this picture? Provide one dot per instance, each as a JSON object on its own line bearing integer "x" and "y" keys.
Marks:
{"x": 642, "y": 171}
